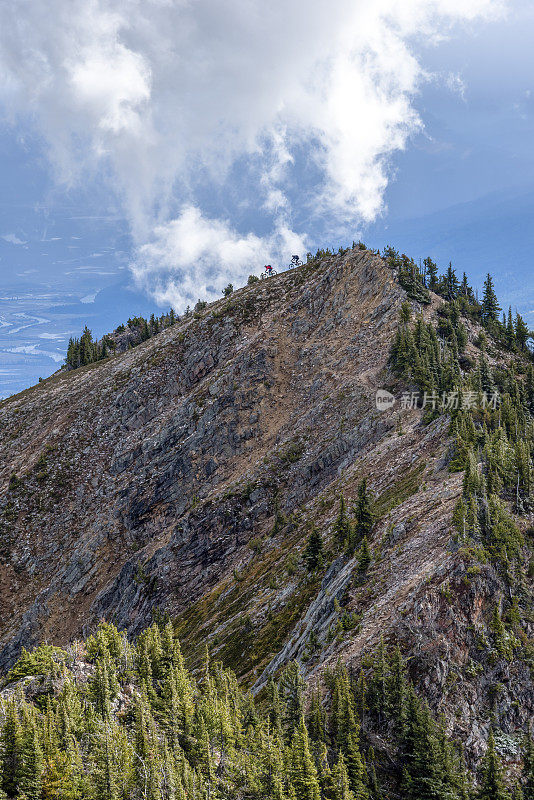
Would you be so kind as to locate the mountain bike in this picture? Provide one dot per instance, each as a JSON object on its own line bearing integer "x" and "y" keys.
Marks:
{"x": 295, "y": 262}
{"x": 267, "y": 272}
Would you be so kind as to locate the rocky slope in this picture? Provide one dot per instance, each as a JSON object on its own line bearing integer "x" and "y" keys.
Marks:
{"x": 182, "y": 478}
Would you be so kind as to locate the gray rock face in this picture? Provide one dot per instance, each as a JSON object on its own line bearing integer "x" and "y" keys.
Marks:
{"x": 129, "y": 472}
{"x": 319, "y": 617}
{"x": 181, "y": 478}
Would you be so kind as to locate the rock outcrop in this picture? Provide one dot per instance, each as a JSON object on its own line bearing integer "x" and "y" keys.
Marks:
{"x": 181, "y": 479}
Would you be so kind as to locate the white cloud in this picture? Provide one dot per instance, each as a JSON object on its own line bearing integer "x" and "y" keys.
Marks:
{"x": 193, "y": 257}
{"x": 33, "y": 350}
{"x": 12, "y": 239}
{"x": 174, "y": 102}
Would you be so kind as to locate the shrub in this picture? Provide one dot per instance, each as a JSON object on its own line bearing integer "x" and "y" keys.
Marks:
{"x": 38, "y": 662}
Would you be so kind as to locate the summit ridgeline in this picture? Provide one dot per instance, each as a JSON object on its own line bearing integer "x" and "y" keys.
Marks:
{"x": 325, "y": 476}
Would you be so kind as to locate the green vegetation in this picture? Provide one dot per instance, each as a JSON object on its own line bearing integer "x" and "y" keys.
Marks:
{"x": 314, "y": 552}
{"x": 84, "y": 350}
{"x": 37, "y": 662}
{"x": 490, "y": 405}
{"x": 491, "y": 411}
{"x": 410, "y": 276}
{"x": 141, "y": 726}
{"x": 350, "y": 531}
{"x": 111, "y": 720}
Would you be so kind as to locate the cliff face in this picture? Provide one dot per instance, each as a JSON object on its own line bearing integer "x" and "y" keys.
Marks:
{"x": 182, "y": 478}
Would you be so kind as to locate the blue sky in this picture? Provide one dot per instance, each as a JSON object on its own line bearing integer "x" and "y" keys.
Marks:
{"x": 149, "y": 159}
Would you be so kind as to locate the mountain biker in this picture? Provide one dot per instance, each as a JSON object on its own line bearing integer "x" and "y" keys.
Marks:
{"x": 268, "y": 269}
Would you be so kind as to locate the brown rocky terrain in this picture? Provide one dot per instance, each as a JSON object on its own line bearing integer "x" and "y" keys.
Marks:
{"x": 182, "y": 478}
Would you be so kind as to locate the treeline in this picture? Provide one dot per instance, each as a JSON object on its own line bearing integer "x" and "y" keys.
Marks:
{"x": 139, "y": 725}
{"x": 510, "y": 331}
{"x": 491, "y": 442}
{"x": 85, "y": 350}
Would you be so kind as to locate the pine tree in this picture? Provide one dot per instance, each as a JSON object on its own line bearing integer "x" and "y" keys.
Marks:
{"x": 60, "y": 780}
{"x": 510, "y": 330}
{"x": 485, "y": 375}
{"x": 398, "y": 687}
{"x": 340, "y": 781}
{"x": 291, "y": 689}
{"x": 424, "y": 775}
{"x": 10, "y": 751}
{"x": 490, "y": 304}
{"x": 405, "y": 313}
{"x": 528, "y": 767}
{"x": 522, "y": 333}
{"x": 275, "y": 707}
{"x": 363, "y": 515}
{"x": 316, "y": 722}
{"x": 303, "y": 773}
{"x": 374, "y": 788}
{"x": 341, "y": 528}
{"x": 472, "y": 483}
{"x": 465, "y": 289}
{"x": 86, "y": 347}
{"x": 360, "y": 698}
{"x": 105, "y": 775}
{"x": 431, "y": 273}
{"x": 452, "y": 285}
{"x": 492, "y": 785}
{"x": 313, "y": 553}
{"x": 30, "y": 770}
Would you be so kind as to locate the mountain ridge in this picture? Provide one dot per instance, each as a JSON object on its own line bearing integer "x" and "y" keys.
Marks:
{"x": 181, "y": 480}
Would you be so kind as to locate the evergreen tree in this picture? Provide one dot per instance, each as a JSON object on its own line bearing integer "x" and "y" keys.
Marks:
{"x": 60, "y": 780}
{"x": 303, "y": 773}
{"x": 86, "y": 347}
{"x": 316, "y": 721}
{"x": 522, "y": 333}
{"x": 10, "y": 751}
{"x": 363, "y": 514}
{"x": 291, "y": 689}
{"x": 465, "y": 289}
{"x": 431, "y": 273}
{"x": 490, "y": 304}
{"x": 342, "y": 529}
{"x": 340, "y": 781}
{"x": 528, "y": 767}
{"x": 452, "y": 285}
{"x": 275, "y": 707}
{"x": 424, "y": 776}
{"x": 510, "y": 331}
{"x": 313, "y": 553}
{"x": 397, "y": 687}
{"x": 492, "y": 785}
{"x": 30, "y": 770}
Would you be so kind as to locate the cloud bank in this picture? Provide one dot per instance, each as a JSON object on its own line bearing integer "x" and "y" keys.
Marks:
{"x": 226, "y": 128}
